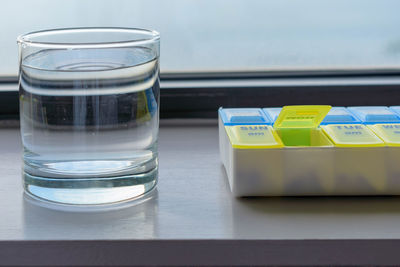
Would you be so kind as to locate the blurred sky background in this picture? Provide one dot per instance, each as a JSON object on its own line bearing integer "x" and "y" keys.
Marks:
{"x": 225, "y": 35}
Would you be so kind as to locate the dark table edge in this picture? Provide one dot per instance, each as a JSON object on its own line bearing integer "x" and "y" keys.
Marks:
{"x": 201, "y": 252}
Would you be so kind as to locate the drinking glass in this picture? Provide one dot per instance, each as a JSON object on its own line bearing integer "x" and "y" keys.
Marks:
{"x": 89, "y": 112}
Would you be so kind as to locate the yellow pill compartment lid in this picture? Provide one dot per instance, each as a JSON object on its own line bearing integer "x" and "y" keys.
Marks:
{"x": 352, "y": 135}
{"x": 253, "y": 137}
{"x": 389, "y": 133}
{"x": 299, "y": 125}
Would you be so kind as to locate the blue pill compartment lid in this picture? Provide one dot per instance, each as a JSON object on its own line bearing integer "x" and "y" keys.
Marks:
{"x": 340, "y": 115}
{"x": 395, "y": 109}
{"x": 243, "y": 116}
{"x": 375, "y": 114}
{"x": 272, "y": 113}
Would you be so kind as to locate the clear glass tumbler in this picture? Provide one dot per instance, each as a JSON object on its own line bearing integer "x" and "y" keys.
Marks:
{"x": 89, "y": 110}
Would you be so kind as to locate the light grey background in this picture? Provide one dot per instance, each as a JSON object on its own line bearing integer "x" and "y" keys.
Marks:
{"x": 228, "y": 35}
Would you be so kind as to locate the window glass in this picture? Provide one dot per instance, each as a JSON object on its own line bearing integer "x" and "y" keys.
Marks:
{"x": 229, "y": 35}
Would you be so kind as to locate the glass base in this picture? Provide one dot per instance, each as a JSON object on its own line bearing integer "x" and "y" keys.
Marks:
{"x": 90, "y": 190}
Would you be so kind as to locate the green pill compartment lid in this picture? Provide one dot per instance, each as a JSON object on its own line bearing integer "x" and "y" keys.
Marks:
{"x": 301, "y": 116}
{"x": 295, "y": 123}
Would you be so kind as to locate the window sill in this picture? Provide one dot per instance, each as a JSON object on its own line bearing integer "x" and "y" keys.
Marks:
{"x": 193, "y": 219}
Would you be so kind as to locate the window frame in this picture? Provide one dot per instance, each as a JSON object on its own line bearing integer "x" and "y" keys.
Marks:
{"x": 199, "y": 95}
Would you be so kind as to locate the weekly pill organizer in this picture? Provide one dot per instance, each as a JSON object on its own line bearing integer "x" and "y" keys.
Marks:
{"x": 311, "y": 150}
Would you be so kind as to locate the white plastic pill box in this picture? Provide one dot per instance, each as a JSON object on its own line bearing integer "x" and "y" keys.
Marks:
{"x": 311, "y": 150}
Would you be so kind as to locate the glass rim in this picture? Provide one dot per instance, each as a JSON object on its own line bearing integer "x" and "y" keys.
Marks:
{"x": 153, "y": 36}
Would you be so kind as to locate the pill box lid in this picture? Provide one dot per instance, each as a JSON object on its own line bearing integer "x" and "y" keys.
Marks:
{"x": 253, "y": 137}
{"x": 340, "y": 115}
{"x": 389, "y": 133}
{"x": 272, "y": 113}
{"x": 396, "y": 109}
{"x": 375, "y": 114}
{"x": 352, "y": 135}
{"x": 301, "y": 116}
{"x": 243, "y": 116}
